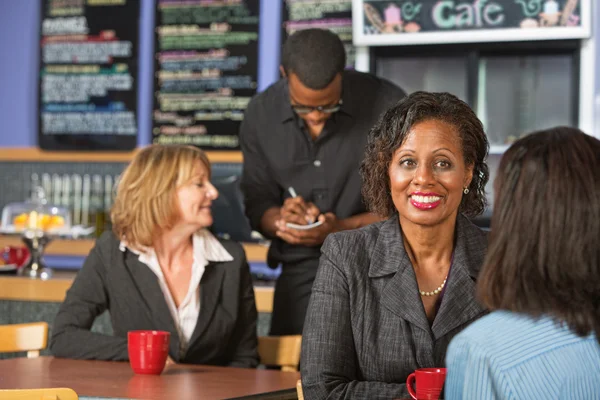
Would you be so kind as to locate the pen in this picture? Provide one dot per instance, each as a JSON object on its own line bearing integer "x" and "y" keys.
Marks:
{"x": 294, "y": 194}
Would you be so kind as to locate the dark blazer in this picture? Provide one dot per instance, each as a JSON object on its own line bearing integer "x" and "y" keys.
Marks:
{"x": 366, "y": 328}
{"x": 117, "y": 281}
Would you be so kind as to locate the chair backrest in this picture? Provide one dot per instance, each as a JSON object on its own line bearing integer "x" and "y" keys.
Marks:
{"x": 264, "y": 299}
{"x": 299, "y": 390}
{"x": 31, "y": 338}
{"x": 282, "y": 351}
{"x": 39, "y": 394}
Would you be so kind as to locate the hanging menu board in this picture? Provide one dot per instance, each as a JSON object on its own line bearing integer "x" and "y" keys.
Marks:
{"x": 206, "y": 69}
{"x": 88, "y": 74}
{"x": 335, "y": 15}
{"x": 396, "y": 22}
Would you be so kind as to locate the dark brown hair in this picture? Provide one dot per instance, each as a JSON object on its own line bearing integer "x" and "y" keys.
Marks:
{"x": 392, "y": 129}
{"x": 543, "y": 257}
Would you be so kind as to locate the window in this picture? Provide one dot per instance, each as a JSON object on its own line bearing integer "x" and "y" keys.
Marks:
{"x": 432, "y": 74}
{"x": 515, "y": 87}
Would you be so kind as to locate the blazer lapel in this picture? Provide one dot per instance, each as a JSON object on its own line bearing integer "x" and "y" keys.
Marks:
{"x": 459, "y": 304}
{"x": 146, "y": 283}
{"x": 400, "y": 295}
{"x": 210, "y": 291}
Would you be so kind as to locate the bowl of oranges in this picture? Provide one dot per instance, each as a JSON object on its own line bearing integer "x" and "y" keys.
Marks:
{"x": 35, "y": 220}
{"x": 21, "y": 217}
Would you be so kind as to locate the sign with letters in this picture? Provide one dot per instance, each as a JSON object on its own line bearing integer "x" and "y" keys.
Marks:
{"x": 206, "y": 70}
{"x": 405, "y": 22}
{"x": 335, "y": 15}
{"x": 88, "y": 83}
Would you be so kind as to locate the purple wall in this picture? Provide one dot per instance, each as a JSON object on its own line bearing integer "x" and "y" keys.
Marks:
{"x": 19, "y": 39}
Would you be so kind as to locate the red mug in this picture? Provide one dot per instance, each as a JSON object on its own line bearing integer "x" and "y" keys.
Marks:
{"x": 17, "y": 255}
{"x": 148, "y": 351}
{"x": 429, "y": 383}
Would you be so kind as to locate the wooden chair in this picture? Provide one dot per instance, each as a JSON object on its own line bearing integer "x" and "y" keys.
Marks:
{"x": 282, "y": 351}
{"x": 264, "y": 299}
{"x": 31, "y": 338}
{"x": 39, "y": 394}
{"x": 299, "y": 390}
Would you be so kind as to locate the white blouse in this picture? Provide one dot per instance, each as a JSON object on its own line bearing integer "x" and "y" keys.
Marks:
{"x": 206, "y": 248}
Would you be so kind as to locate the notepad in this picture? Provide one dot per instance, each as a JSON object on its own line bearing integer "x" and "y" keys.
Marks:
{"x": 303, "y": 227}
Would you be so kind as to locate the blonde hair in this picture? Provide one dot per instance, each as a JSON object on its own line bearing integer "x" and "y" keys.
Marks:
{"x": 145, "y": 202}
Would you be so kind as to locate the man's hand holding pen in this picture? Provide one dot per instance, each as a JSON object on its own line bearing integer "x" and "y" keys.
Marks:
{"x": 296, "y": 210}
{"x": 308, "y": 237}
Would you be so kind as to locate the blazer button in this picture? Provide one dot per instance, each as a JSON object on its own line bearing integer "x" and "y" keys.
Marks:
{"x": 317, "y": 163}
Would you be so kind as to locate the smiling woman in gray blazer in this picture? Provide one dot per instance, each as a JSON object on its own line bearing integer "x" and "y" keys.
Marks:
{"x": 389, "y": 297}
{"x": 161, "y": 269}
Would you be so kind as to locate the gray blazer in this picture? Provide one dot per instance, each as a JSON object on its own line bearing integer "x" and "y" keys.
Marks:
{"x": 117, "y": 281}
{"x": 366, "y": 328}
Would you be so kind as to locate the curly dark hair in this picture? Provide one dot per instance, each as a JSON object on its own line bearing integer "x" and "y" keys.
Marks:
{"x": 543, "y": 257}
{"x": 391, "y": 130}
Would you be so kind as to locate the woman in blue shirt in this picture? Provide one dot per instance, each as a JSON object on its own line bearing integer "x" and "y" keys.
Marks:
{"x": 541, "y": 276}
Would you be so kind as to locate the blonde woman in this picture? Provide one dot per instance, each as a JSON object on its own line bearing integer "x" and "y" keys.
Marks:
{"x": 162, "y": 269}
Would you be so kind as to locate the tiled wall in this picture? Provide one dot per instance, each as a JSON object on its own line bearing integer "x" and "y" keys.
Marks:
{"x": 15, "y": 177}
{"x": 228, "y": 213}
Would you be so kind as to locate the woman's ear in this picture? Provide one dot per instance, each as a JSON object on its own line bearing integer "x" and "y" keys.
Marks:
{"x": 469, "y": 175}
{"x": 282, "y": 71}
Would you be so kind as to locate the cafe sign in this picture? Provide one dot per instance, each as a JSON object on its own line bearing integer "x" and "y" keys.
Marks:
{"x": 405, "y": 22}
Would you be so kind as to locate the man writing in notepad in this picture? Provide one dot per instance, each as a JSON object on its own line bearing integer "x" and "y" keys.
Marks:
{"x": 308, "y": 132}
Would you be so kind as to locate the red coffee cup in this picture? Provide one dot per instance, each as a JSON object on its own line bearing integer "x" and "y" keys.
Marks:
{"x": 17, "y": 255}
{"x": 148, "y": 351}
{"x": 429, "y": 383}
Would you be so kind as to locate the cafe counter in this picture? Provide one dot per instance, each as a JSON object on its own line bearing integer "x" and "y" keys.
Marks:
{"x": 16, "y": 288}
{"x": 24, "y": 299}
{"x": 81, "y": 247}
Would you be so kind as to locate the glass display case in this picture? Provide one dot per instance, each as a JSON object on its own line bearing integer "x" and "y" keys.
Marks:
{"x": 36, "y": 222}
{"x": 19, "y": 217}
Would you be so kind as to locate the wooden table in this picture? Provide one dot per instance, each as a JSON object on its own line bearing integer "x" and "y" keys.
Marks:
{"x": 117, "y": 380}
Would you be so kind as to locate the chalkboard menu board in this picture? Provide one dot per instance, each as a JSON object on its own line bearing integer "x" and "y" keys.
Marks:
{"x": 88, "y": 74}
{"x": 390, "y": 22}
{"x": 206, "y": 68}
{"x": 335, "y": 15}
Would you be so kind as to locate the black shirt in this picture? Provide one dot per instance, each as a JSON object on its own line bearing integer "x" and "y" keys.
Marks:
{"x": 279, "y": 152}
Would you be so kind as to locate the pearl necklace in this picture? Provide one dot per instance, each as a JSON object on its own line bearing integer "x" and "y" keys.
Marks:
{"x": 436, "y": 291}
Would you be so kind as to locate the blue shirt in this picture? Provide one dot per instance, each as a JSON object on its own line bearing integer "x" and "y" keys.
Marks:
{"x": 506, "y": 355}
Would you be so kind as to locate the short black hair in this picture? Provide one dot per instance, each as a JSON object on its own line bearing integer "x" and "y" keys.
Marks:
{"x": 315, "y": 56}
{"x": 393, "y": 127}
{"x": 543, "y": 257}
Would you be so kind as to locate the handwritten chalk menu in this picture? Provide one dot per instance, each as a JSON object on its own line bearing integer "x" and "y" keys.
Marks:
{"x": 454, "y": 21}
{"x": 206, "y": 68}
{"x": 88, "y": 74}
{"x": 335, "y": 15}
